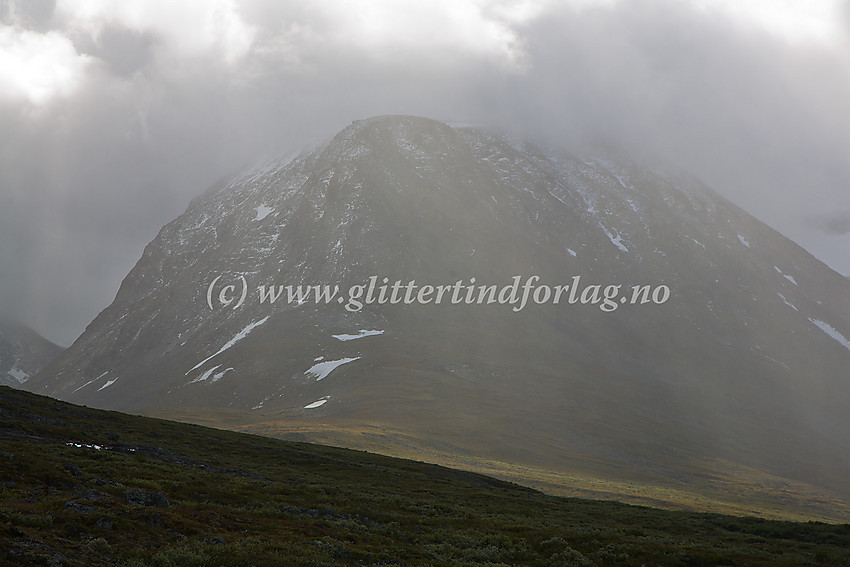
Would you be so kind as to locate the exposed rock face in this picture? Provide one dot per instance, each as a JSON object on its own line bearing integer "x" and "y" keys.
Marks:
{"x": 746, "y": 362}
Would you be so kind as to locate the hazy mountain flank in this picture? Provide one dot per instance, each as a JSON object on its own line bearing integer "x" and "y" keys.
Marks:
{"x": 23, "y": 352}
{"x": 732, "y": 393}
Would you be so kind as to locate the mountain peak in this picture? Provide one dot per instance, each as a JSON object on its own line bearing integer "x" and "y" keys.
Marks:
{"x": 391, "y": 135}
{"x": 395, "y": 121}
{"x": 608, "y": 383}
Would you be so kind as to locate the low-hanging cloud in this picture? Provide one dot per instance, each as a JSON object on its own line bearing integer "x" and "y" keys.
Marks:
{"x": 161, "y": 99}
{"x": 834, "y": 224}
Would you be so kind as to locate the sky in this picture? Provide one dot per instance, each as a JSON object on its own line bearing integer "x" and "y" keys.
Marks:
{"x": 114, "y": 115}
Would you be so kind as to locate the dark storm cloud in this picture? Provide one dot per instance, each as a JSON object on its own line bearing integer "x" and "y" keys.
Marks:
{"x": 158, "y": 115}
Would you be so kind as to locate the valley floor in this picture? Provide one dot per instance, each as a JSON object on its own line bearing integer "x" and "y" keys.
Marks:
{"x": 712, "y": 486}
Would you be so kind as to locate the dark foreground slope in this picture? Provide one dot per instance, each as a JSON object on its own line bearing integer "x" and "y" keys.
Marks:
{"x": 89, "y": 487}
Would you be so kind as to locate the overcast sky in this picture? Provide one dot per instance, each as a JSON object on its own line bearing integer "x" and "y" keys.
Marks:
{"x": 113, "y": 115}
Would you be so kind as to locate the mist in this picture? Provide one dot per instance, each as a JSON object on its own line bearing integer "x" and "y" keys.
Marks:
{"x": 114, "y": 118}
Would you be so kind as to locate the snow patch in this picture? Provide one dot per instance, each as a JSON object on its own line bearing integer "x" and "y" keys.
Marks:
{"x": 18, "y": 374}
{"x": 322, "y": 369}
{"x": 92, "y": 380}
{"x": 108, "y": 384}
{"x": 217, "y": 376}
{"x": 744, "y": 241}
{"x": 317, "y": 403}
{"x": 615, "y": 240}
{"x": 831, "y": 331}
{"x": 262, "y": 212}
{"x": 360, "y": 335}
{"x": 788, "y": 303}
{"x": 770, "y": 358}
{"x": 786, "y": 276}
{"x": 203, "y": 377}
{"x": 572, "y": 252}
{"x": 236, "y": 338}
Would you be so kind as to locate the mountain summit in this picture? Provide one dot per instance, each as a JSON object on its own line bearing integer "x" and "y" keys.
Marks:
{"x": 732, "y": 364}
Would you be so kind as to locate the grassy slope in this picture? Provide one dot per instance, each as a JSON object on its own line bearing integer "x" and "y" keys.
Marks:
{"x": 235, "y": 499}
{"x": 713, "y": 485}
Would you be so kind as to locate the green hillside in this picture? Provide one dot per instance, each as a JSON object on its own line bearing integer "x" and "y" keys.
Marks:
{"x": 90, "y": 487}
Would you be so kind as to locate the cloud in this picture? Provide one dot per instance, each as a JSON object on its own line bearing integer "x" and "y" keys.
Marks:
{"x": 31, "y": 14}
{"x": 791, "y": 20}
{"x": 189, "y": 27}
{"x": 137, "y": 106}
{"x": 38, "y": 66}
{"x": 385, "y": 27}
{"x": 834, "y": 224}
{"x": 122, "y": 50}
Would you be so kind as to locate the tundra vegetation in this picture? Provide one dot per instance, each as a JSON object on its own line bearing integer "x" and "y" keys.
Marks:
{"x": 90, "y": 487}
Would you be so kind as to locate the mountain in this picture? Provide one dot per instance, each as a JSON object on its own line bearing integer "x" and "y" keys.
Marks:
{"x": 23, "y": 352}
{"x": 724, "y": 380}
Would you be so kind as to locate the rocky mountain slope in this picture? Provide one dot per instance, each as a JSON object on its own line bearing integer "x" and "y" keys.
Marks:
{"x": 742, "y": 371}
{"x": 23, "y": 352}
